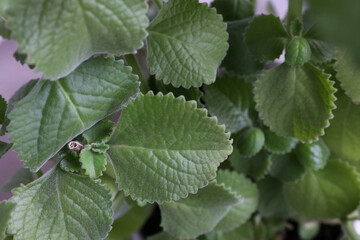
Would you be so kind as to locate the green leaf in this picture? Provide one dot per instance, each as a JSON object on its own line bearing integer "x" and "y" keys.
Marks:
{"x": 349, "y": 75}
{"x": 332, "y": 192}
{"x": 272, "y": 202}
{"x": 4, "y": 148}
{"x": 98, "y": 147}
{"x": 230, "y": 99}
{"x": 176, "y": 152}
{"x": 244, "y": 232}
{"x": 4, "y": 30}
{"x": 298, "y": 52}
{"x": 5, "y": 210}
{"x": 199, "y": 213}
{"x": 266, "y": 37}
{"x": 239, "y": 60}
{"x": 286, "y": 167}
{"x": 313, "y": 155}
{"x": 94, "y": 163}
{"x": 250, "y": 141}
{"x": 61, "y": 205}
{"x": 66, "y": 34}
{"x": 21, "y": 93}
{"x": 255, "y": 167}
{"x": 184, "y": 48}
{"x": 3, "y": 107}
{"x": 278, "y": 144}
{"x": 55, "y": 112}
{"x": 295, "y": 102}
{"x": 232, "y": 10}
{"x": 343, "y": 135}
{"x": 70, "y": 161}
{"x": 309, "y": 229}
{"x": 100, "y": 132}
{"x": 241, "y": 212}
{"x": 22, "y": 176}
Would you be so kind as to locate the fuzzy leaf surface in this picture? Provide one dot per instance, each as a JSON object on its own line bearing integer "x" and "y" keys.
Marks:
{"x": 295, "y": 102}
{"x": 54, "y": 112}
{"x": 332, "y": 192}
{"x": 184, "y": 48}
{"x": 230, "y": 99}
{"x": 278, "y": 144}
{"x": 5, "y": 211}
{"x": 100, "y": 132}
{"x": 179, "y": 148}
{"x": 61, "y": 205}
{"x": 58, "y": 36}
{"x": 94, "y": 163}
{"x": 199, "y": 213}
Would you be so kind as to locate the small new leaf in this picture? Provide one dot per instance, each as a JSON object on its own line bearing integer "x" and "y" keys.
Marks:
{"x": 298, "y": 52}
{"x": 250, "y": 141}
{"x": 313, "y": 155}
{"x": 100, "y": 132}
{"x": 94, "y": 163}
{"x": 185, "y": 49}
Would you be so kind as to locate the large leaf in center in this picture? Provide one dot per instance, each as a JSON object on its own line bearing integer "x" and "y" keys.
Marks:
{"x": 54, "y": 112}
{"x": 295, "y": 102}
{"x": 59, "y": 35}
{"x": 164, "y": 148}
{"x": 186, "y": 43}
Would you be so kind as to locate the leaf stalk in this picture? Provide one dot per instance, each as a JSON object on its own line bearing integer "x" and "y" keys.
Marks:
{"x": 294, "y": 11}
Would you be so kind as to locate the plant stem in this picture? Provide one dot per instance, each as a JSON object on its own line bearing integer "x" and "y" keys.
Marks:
{"x": 294, "y": 11}
{"x": 131, "y": 61}
{"x": 349, "y": 229}
{"x": 159, "y": 3}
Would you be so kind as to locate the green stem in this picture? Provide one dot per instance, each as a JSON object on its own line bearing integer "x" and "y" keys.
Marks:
{"x": 131, "y": 61}
{"x": 159, "y": 3}
{"x": 349, "y": 229}
{"x": 39, "y": 173}
{"x": 294, "y": 11}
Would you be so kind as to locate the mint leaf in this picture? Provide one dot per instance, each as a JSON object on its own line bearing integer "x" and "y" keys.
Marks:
{"x": 278, "y": 144}
{"x": 3, "y": 107}
{"x": 332, "y": 192}
{"x": 94, "y": 163}
{"x": 313, "y": 155}
{"x": 199, "y": 213}
{"x": 22, "y": 176}
{"x": 266, "y": 37}
{"x": 240, "y": 213}
{"x": 291, "y": 94}
{"x": 255, "y": 167}
{"x": 272, "y": 202}
{"x": 67, "y": 34}
{"x": 4, "y": 148}
{"x": 54, "y": 112}
{"x": 286, "y": 167}
{"x": 5, "y": 210}
{"x": 180, "y": 40}
{"x": 61, "y": 205}
{"x": 179, "y": 148}
{"x": 250, "y": 141}
{"x": 298, "y": 52}
{"x": 232, "y": 10}
{"x": 100, "y": 132}
{"x": 342, "y": 137}
{"x": 230, "y": 99}
{"x": 349, "y": 75}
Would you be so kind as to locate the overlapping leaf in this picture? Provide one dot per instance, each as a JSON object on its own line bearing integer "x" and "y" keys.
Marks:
{"x": 313, "y": 155}
{"x": 4, "y": 148}
{"x": 250, "y": 141}
{"x": 22, "y": 176}
{"x": 286, "y": 167}
{"x": 278, "y": 144}
{"x": 99, "y": 132}
{"x": 184, "y": 48}
{"x": 164, "y": 148}
{"x": 5, "y": 210}
{"x": 3, "y": 107}
{"x": 295, "y": 102}
{"x": 61, "y": 205}
{"x": 232, "y": 10}
{"x": 54, "y": 112}
{"x": 94, "y": 163}
{"x": 67, "y": 33}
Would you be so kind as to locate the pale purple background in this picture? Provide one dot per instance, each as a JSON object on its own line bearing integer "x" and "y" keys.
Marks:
{"x": 13, "y": 75}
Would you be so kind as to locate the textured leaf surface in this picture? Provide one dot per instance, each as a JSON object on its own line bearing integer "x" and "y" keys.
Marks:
{"x": 241, "y": 212}
{"x": 298, "y": 52}
{"x": 244, "y": 232}
{"x": 94, "y": 163}
{"x": 5, "y": 211}
{"x": 61, "y": 205}
{"x": 278, "y": 144}
{"x": 100, "y": 132}
{"x": 230, "y": 99}
{"x": 54, "y": 112}
{"x": 332, "y": 192}
{"x": 343, "y": 135}
{"x": 199, "y": 213}
{"x": 238, "y": 59}
{"x": 22, "y": 176}
{"x": 232, "y": 10}
{"x": 286, "y": 167}
{"x": 184, "y": 48}
{"x": 295, "y": 102}
{"x": 348, "y": 74}
{"x": 58, "y": 36}
{"x": 3, "y": 107}
{"x": 266, "y": 37}
{"x": 179, "y": 148}
{"x": 250, "y": 141}
{"x": 255, "y": 167}
{"x": 313, "y": 155}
